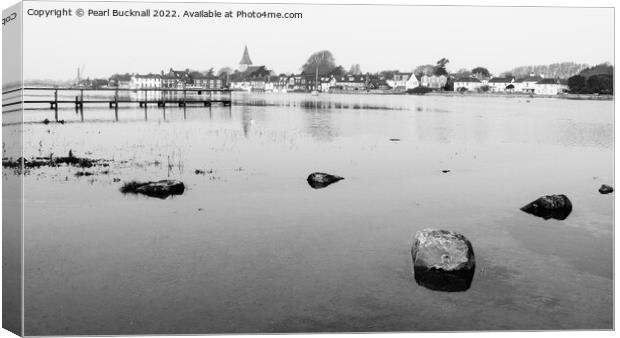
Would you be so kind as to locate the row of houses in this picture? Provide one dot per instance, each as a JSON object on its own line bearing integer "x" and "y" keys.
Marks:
{"x": 310, "y": 82}
{"x": 531, "y": 85}
{"x": 173, "y": 79}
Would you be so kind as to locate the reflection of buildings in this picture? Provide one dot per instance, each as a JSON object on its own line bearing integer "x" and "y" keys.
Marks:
{"x": 246, "y": 120}
{"x": 320, "y": 125}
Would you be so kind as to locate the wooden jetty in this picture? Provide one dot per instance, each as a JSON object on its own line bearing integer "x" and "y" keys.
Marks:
{"x": 164, "y": 96}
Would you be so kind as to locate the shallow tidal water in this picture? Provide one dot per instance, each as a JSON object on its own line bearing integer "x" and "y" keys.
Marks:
{"x": 251, "y": 247}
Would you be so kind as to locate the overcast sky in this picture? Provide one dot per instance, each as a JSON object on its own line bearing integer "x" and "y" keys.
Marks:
{"x": 376, "y": 37}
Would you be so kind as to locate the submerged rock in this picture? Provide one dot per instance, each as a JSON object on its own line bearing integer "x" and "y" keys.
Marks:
{"x": 443, "y": 260}
{"x": 605, "y": 189}
{"x": 322, "y": 180}
{"x": 551, "y": 206}
{"x": 159, "y": 189}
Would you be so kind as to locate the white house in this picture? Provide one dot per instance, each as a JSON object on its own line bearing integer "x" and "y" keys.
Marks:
{"x": 466, "y": 84}
{"x": 549, "y": 87}
{"x": 403, "y": 80}
{"x": 499, "y": 84}
{"x": 433, "y": 81}
{"x": 527, "y": 84}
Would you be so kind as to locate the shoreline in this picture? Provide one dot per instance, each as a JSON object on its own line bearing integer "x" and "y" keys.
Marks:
{"x": 530, "y": 96}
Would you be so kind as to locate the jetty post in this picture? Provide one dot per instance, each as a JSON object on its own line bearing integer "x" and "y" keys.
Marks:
{"x": 116, "y": 104}
{"x": 82, "y": 104}
{"x": 56, "y": 105}
{"x": 146, "y": 100}
{"x": 184, "y": 103}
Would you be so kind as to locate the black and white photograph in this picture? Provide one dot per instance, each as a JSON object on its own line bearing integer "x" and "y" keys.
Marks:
{"x": 196, "y": 168}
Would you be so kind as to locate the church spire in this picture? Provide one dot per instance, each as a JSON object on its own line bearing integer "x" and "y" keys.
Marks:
{"x": 245, "y": 60}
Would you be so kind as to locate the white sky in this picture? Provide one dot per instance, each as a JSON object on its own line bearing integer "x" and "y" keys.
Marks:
{"x": 376, "y": 37}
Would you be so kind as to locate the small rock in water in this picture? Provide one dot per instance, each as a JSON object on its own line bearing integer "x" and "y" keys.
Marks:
{"x": 605, "y": 189}
{"x": 551, "y": 206}
{"x": 443, "y": 260}
{"x": 322, "y": 180}
{"x": 160, "y": 189}
{"x": 445, "y": 171}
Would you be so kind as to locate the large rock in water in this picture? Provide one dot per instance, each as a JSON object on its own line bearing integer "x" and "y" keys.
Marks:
{"x": 605, "y": 189}
{"x": 551, "y": 206}
{"x": 321, "y": 180}
{"x": 159, "y": 189}
{"x": 443, "y": 260}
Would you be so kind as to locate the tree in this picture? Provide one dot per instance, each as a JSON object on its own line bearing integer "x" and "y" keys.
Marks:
{"x": 560, "y": 70}
{"x": 423, "y": 70}
{"x": 576, "y": 83}
{"x": 603, "y": 68}
{"x": 322, "y": 61}
{"x": 224, "y": 71}
{"x": 462, "y": 73}
{"x": 449, "y": 84}
{"x": 481, "y": 73}
{"x": 600, "y": 84}
{"x": 210, "y": 72}
{"x": 440, "y": 68}
{"x": 355, "y": 69}
{"x": 483, "y": 89}
{"x": 338, "y": 71}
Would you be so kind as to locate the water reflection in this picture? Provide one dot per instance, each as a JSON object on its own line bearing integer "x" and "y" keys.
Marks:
{"x": 246, "y": 120}
{"x": 320, "y": 125}
{"x": 449, "y": 281}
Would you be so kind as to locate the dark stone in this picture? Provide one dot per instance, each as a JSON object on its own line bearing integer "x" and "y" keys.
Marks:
{"x": 445, "y": 171}
{"x": 551, "y": 206}
{"x": 322, "y": 180}
{"x": 443, "y": 260}
{"x": 160, "y": 189}
{"x": 605, "y": 189}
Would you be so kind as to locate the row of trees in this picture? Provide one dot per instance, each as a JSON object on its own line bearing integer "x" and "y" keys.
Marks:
{"x": 598, "y": 79}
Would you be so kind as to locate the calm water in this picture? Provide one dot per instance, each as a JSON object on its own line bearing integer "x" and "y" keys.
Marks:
{"x": 252, "y": 248}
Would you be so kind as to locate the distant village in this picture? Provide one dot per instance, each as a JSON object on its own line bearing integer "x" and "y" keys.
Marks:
{"x": 258, "y": 78}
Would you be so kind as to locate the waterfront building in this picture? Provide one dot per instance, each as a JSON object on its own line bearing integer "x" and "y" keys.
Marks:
{"x": 550, "y": 87}
{"x": 403, "y": 81}
{"x": 500, "y": 84}
{"x": 377, "y": 84}
{"x": 120, "y": 81}
{"x": 350, "y": 82}
{"x": 527, "y": 84}
{"x": 175, "y": 79}
{"x": 150, "y": 80}
{"x": 205, "y": 81}
{"x": 466, "y": 83}
{"x": 433, "y": 81}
